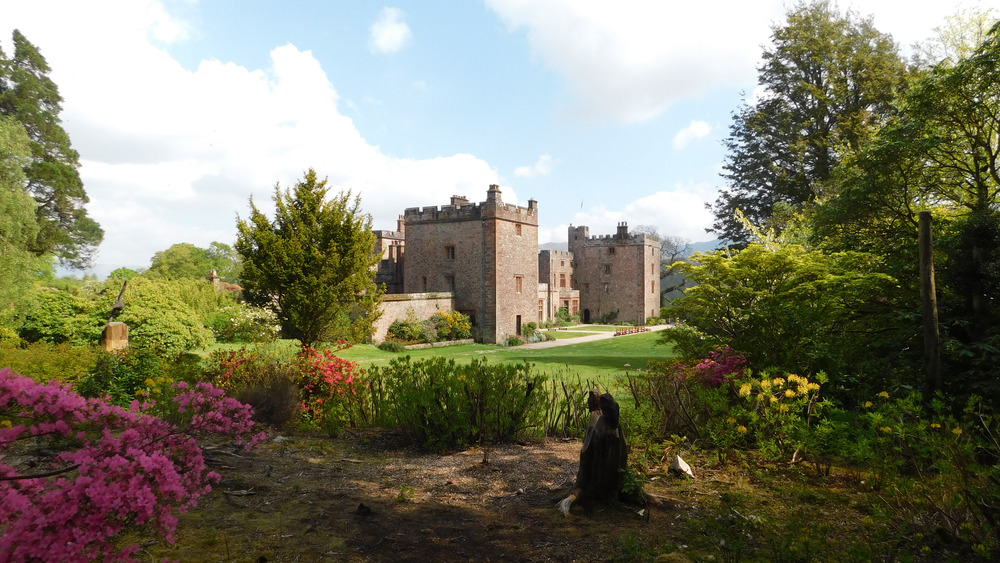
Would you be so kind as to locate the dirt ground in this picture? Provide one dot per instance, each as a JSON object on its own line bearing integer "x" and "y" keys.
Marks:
{"x": 366, "y": 498}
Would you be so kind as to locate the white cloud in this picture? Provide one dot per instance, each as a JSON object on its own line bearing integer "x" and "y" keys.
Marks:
{"x": 630, "y": 60}
{"x": 696, "y": 130}
{"x": 542, "y": 167}
{"x": 172, "y": 155}
{"x": 679, "y": 212}
{"x": 390, "y": 33}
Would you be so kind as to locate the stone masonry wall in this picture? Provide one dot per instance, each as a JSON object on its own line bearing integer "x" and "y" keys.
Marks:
{"x": 397, "y": 307}
{"x": 616, "y": 273}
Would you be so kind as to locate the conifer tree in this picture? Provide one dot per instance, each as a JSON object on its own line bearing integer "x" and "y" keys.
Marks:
{"x": 314, "y": 263}
{"x": 28, "y": 95}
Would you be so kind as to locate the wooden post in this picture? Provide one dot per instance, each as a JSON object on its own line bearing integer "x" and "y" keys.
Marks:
{"x": 114, "y": 337}
{"x": 928, "y": 294}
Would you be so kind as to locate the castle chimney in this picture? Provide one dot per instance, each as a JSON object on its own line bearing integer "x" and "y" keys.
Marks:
{"x": 623, "y": 230}
{"x": 493, "y": 194}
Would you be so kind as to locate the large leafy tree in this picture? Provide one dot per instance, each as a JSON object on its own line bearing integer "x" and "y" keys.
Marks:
{"x": 28, "y": 95}
{"x": 314, "y": 263}
{"x": 941, "y": 152}
{"x": 18, "y": 228}
{"x": 828, "y": 81}
{"x": 185, "y": 260}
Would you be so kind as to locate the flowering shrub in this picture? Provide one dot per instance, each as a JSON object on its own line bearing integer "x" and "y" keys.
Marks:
{"x": 329, "y": 386}
{"x": 452, "y": 325}
{"x": 260, "y": 378}
{"x": 117, "y": 467}
{"x": 121, "y": 375}
{"x": 775, "y": 414}
{"x": 244, "y": 323}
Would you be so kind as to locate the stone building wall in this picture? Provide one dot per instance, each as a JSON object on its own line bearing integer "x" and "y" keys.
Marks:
{"x": 556, "y": 270}
{"x": 616, "y": 274}
{"x": 484, "y": 253}
{"x": 389, "y": 245}
{"x": 399, "y": 306}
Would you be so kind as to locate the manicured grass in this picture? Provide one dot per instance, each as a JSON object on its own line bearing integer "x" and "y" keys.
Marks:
{"x": 596, "y": 360}
{"x": 567, "y": 334}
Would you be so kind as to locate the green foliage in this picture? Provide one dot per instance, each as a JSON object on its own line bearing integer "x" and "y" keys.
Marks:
{"x": 243, "y": 323}
{"x": 43, "y": 361}
{"x": 60, "y": 316}
{"x": 783, "y": 306}
{"x": 513, "y": 341}
{"x": 393, "y": 346}
{"x": 28, "y": 95}
{"x": 441, "y": 404}
{"x": 831, "y": 80}
{"x": 530, "y": 329}
{"x": 185, "y": 260}
{"x": 164, "y": 315}
{"x": 411, "y": 329}
{"x": 314, "y": 263}
{"x": 122, "y": 375}
{"x": 452, "y": 325}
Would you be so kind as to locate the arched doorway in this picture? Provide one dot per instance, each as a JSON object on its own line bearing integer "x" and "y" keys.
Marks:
{"x": 586, "y": 316}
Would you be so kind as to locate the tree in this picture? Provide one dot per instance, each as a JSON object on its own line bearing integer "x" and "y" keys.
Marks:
{"x": 18, "y": 228}
{"x": 956, "y": 39}
{"x": 829, "y": 82}
{"x": 313, "y": 264}
{"x": 28, "y": 95}
{"x": 673, "y": 249}
{"x": 185, "y": 260}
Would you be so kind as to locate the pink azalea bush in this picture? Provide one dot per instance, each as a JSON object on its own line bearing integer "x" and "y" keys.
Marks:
{"x": 117, "y": 467}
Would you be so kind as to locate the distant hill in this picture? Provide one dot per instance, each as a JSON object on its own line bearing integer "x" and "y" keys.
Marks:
{"x": 563, "y": 246}
{"x": 707, "y": 245}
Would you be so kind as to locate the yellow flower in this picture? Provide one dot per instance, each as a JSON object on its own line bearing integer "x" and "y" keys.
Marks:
{"x": 150, "y": 382}
{"x": 935, "y": 425}
{"x": 812, "y": 386}
{"x": 745, "y": 390}
{"x": 5, "y": 424}
{"x": 886, "y": 429}
{"x": 956, "y": 431}
{"x": 778, "y": 381}
{"x": 731, "y": 420}
{"x": 884, "y": 395}
{"x": 774, "y": 399}
{"x": 461, "y": 377}
{"x": 789, "y": 393}
{"x": 765, "y": 383}
{"x": 156, "y": 390}
{"x": 793, "y": 378}
{"x": 741, "y": 429}
{"x": 868, "y": 404}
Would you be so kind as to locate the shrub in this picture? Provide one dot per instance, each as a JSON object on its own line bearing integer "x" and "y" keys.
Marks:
{"x": 244, "y": 323}
{"x": 441, "y": 404}
{"x": 260, "y": 378}
{"x": 451, "y": 325}
{"x": 121, "y": 375}
{"x": 610, "y": 318}
{"x": 58, "y": 316}
{"x": 409, "y": 330}
{"x": 513, "y": 341}
{"x": 394, "y": 346}
{"x": 530, "y": 329}
{"x": 275, "y": 402}
{"x": 43, "y": 362}
{"x": 114, "y": 469}
{"x": 329, "y": 386}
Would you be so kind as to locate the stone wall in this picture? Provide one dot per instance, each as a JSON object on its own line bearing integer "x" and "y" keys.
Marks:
{"x": 398, "y": 306}
{"x": 616, "y": 274}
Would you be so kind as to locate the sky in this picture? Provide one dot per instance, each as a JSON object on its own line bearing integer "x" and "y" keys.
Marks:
{"x": 184, "y": 110}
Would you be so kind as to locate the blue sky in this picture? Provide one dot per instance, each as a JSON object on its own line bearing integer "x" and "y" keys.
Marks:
{"x": 602, "y": 111}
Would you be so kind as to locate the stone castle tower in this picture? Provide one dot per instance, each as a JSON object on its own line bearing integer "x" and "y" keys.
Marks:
{"x": 485, "y": 254}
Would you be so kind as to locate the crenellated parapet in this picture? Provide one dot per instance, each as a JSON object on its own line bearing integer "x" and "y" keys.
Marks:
{"x": 461, "y": 210}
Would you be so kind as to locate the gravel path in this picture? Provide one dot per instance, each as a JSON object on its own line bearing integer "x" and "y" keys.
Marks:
{"x": 581, "y": 339}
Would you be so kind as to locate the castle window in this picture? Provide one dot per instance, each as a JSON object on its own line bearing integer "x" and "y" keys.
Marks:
{"x": 562, "y": 280}
{"x": 652, "y": 289}
{"x": 607, "y": 288}
{"x": 449, "y": 252}
{"x": 519, "y": 283}
{"x": 517, "y": 229}
{"x": 562, "y": 263}
{"x": 611, "y": 251}
{"x": 450, "y": 282}
{"x": 423, "y": 283}
{"x": 607, "y": 269}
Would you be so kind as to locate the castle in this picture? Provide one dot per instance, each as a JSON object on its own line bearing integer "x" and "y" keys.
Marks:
{"x": 482, "y": 259}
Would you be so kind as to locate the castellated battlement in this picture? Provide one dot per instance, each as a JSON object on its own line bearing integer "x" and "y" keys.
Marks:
{"x": 622, "y": 237}
{"x": 462, "y": 210}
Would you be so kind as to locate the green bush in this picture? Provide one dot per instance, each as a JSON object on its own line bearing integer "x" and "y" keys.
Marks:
{"x": 610, "y": 318}
{"x": 261, "y": 378}
{"x": 42, "y": 361}
{"x": 122, "y": 375}
{"x": 393, "y": 346}
{"x": 56, "y": 317}
{"x": 440, "y": 404}
{"x": 530, "y": 329}
{"x": 451, "y": 325}
{"x": 513, "y": 341}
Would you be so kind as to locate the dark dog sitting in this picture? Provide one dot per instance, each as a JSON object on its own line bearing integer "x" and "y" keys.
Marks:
{"x": 603, "y": 456}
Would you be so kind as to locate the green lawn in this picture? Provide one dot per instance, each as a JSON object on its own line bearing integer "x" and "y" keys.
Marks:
{"x": 590, "y": 360}
{"x": 596, "y": 360}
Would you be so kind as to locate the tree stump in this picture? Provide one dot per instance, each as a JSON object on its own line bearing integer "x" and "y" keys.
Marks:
{"x": 114, "y": 337}
{"x": 603, "y": 456}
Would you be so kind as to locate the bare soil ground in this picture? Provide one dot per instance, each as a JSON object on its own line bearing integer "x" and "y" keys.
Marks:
{"x": 366, "y": 498}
